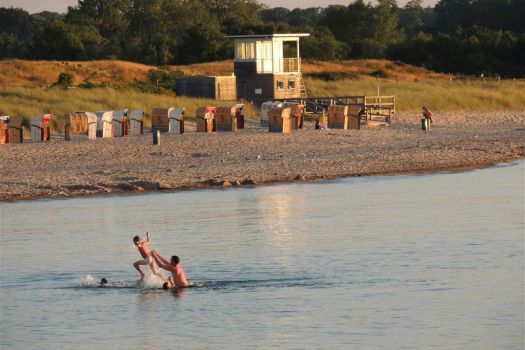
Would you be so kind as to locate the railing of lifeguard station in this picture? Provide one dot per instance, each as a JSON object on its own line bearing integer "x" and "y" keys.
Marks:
{"x": 291, "y": 65}
{"x": 283, "y": 65}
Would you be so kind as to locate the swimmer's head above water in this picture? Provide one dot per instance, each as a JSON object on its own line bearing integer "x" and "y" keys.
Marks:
{"x": 175, "y": 259}
{"x": 103, "y": 282}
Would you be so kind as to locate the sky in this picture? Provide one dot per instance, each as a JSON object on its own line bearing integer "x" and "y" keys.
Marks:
{"x": 33, "y": 6}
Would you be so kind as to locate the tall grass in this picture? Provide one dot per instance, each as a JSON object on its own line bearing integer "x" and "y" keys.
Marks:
{"x": 439, "y": 95}
{"x": 28, "y": 102}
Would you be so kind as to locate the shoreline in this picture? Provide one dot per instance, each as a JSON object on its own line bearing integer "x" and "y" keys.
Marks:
{"x": 101, "y": 194}
{"x": 252, "y": 157}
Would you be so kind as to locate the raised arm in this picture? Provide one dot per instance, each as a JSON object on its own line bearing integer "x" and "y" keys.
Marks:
{"x": 160, "y": 258}
{"x": 147, "y": 238}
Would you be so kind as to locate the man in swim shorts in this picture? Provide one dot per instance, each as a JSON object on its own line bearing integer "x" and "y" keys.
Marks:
{"x": 147, "y": 258}
{"x": 178, "y": 277}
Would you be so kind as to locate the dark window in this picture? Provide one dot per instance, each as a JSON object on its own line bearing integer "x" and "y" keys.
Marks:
{"x": 291, "y": 85}
{"x": 280, "y": 85}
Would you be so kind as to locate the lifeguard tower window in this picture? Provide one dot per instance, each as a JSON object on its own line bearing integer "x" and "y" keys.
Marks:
{"x": 291, "y": 84}
{"x": 245, "y": 51}
{"x": 280, "y": 85}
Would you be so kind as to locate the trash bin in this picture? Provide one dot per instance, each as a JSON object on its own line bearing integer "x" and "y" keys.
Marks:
{"x": 156, "y": 137}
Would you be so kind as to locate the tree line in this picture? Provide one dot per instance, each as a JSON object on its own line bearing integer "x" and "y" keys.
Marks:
{"x": 470, "y": 37}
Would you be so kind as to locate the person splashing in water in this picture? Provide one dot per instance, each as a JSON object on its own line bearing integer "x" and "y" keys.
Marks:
{"x": 178, "y": 277}
{"x": 147, "y": 258}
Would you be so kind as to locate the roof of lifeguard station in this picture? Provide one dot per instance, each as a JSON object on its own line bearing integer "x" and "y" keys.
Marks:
{"x": 266, "y": 35}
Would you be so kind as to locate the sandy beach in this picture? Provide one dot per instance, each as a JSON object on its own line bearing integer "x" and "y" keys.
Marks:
{"x": 252, "y": 156}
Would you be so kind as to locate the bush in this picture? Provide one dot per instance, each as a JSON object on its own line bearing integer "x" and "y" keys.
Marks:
{"x": 379, "y": 74}
{"x": 164, "y": 78}
{"x": 65, "y": 79}
{"x": 332, "y": 76}
{"x": 91, "y": 85}
{"x": 145, "y": 87}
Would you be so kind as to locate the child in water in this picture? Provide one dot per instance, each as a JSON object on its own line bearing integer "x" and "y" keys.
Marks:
{"x": 147, "y": 258}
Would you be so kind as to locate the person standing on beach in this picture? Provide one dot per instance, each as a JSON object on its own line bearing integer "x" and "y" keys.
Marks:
{"x": 147, "y": 258}
{"x": 178, "y": 277}
{"x": 427, "y": 114}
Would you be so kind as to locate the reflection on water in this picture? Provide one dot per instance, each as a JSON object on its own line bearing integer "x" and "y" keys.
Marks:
{"x": 374, "y": 263}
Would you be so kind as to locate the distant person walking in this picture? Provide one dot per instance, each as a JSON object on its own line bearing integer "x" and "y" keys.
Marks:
{"x": 426, "y": 119}
{"x": 427, "y": 114}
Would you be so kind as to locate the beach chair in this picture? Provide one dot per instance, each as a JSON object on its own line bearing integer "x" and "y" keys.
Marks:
{"x": 81, "y": 123}
{"x": 226, "y": 118}
{"x": 40, "y": 128}
{"x": 240, "y": 116}
{"x": 280, "y": 120}
{"x": 4, "y": 120}
{"x": 120, "y": 123}
{"x": 205, "y": 117}
{"x": 265, "y": 108}
{"x": 136, "y": 122}
{"x": 176, "y": 118}
{"x": 105, "y": 124}
{"x": 297, "y": 114}
{"x": 160, "y": 118}
{"x": 344, "y": 117}
{"x": 14, "y": 130}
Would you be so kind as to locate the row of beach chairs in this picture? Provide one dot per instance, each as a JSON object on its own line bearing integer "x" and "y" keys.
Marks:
{"x": 286, "y": 116}
{"x": 276, "y": 116}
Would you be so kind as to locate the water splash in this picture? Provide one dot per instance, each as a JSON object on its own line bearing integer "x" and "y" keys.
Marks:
{"x": 149, "y": 282}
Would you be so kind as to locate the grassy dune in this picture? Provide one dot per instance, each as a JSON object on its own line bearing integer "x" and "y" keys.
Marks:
{"x": 45, "y": 73}
{"x": 439, "y": 95}
{"x": 25, "y": 91}
{"x": 27, "y": 102}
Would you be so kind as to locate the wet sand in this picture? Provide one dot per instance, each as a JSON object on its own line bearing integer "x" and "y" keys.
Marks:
{"x": 59, "y": 169}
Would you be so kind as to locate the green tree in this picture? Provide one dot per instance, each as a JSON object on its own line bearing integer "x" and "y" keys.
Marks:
{"x": 322, "y": 45}
{"x": 199, "y": 35}
{"x": 366, "y": 29}
{"x": 410, "y": 17}
{"x": 453, "y": 13}
{"x": 16, "y": 27}
{"x": 275, "y": 15}
{"x": 58, "y": 41}
{"x": 107, "y": 20}
{"x": 233, "y": 15}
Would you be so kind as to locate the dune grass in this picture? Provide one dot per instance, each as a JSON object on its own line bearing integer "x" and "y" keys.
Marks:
{"x": 439, "y": 95}
{"x": 28, "y": 102}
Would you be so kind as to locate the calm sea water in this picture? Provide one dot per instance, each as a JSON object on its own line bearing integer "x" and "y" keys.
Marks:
{"x": 405, "y": 262}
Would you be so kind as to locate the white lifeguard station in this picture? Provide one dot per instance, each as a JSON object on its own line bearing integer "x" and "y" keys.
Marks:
{"x": 268, "y": 66}
{"x": 104, "y": 123}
